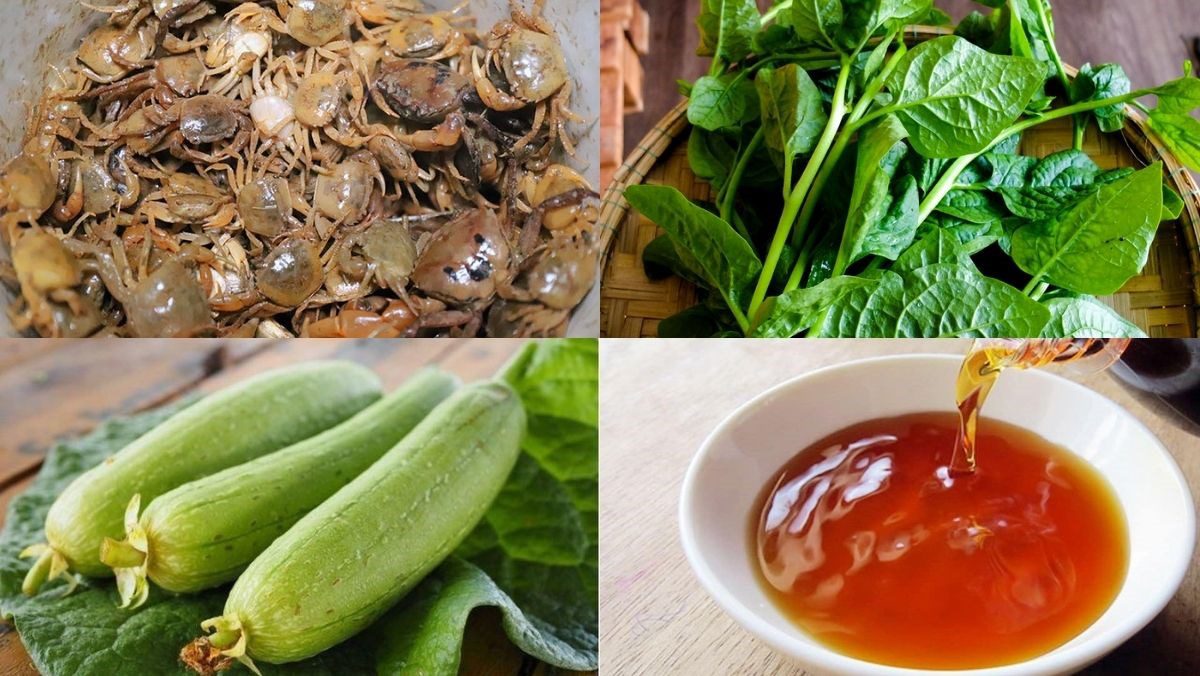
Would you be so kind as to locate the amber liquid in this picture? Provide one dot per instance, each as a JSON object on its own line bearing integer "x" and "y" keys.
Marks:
{"x": 871, "y": 544}
{"x": 985, "y": 361}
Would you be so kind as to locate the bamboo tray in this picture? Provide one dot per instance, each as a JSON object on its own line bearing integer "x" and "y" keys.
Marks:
{"x": 1163, "y": 300}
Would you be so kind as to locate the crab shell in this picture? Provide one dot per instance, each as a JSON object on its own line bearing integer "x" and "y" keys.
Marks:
{"x": 533, "y": 65}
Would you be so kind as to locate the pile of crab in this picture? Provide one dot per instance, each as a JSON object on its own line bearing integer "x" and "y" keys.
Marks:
{"x": 343, "y": 168}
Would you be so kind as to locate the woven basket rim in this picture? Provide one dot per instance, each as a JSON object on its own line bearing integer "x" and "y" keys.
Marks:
{"x": 1142, "y": 141}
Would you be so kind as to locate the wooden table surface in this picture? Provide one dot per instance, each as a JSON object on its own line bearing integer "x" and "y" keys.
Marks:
{"x": 1150, "y": 38}
{"x": 53, "y": 389}
{"x": 659, "y": 400}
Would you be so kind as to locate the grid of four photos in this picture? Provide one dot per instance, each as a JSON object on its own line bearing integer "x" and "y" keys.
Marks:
{"x": 409, "y": 337}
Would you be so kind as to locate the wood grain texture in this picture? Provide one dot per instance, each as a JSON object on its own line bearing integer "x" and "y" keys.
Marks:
{"x": 65, "y": 388}
{"x": 1150, "y": 38}
{"x": 659, "y": 400}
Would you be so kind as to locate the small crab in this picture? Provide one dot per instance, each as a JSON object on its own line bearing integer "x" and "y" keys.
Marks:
{"x": 111, "y": 52}
{"x": 48, "y": 275}
{"x": 315, "y": 23}
{"x": 426, "y": 36}
{"x": 372, "y": 317}
{"x": 527, "y": 53}
{"x": 465, "y": 260}
{"x": 28, "y": 188}
{"x": 418, "y": 91}
{"x": 186, "y": 126}
{"x": 192, "y": 199}
{"x": 172, "y": 78}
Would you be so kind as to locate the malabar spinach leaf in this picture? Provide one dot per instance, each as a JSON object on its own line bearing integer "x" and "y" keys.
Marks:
{"x": 727, "y": 261}
{"x": 722, "y": 102}
{"x": 1095, "y": 83}
{"x": 934, "y": 301}
{"x": 727, "y": 28}
{"x": 817, "y": 21}
{"x": 793, "y": 114}
{"x": 955, "y": 99}
{"x": 881, "y": 220}
{"x": 1086, "y": 317}
{"x": 1099, "y": 243}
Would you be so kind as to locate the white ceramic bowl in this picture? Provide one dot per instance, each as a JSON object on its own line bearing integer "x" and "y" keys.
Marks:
{"x": 42, "y": 34}
{"x": 753, "y": 443}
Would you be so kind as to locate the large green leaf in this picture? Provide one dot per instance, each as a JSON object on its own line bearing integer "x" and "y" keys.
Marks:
{"x": 1086, "y": 317}
{"x": 1181, "y": 133}
{"x": 793, "y": 114}
{"x": 722, "y": 102}
{"x": 1096, "y": 83}
{"x": 817, "y": 21}
{"x": 728, "y": 263}
{"x": 795, "y": 311}
{"x": 727, "y": 28}
{"x": 534, "y": 557}
{"x": 864, "y": 18}
{"x": 1098, "y": 244}
{"x": 1178, "y": 100}
{"x": 938, "y": 247}
{"x": 955, "y": 98}
{"x": 881, "y": 220}
{"x": 935, "y": 301}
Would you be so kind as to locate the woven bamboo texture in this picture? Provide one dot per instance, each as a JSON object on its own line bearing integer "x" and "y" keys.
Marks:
{"x": 1163, "y": 300}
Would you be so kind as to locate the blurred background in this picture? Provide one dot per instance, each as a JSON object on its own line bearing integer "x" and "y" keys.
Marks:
{"x": 649, "y": 44}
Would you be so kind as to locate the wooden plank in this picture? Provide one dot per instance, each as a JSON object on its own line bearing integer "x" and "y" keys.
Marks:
{"x": 68, "y": 390}
{"x": 632, "y": 76}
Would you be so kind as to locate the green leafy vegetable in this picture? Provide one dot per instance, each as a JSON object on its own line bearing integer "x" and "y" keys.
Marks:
{"x": 1097, "y": 245}
{"x": 727, "y": 28}
{"x": 1095, "y": 83}
{"x": 792, "y": 112}
{"x": 882, "y": 221}
{"x": 889, "y": 153}
{"x": 1083, "y": 317}
{"x": 955, "y": 99}
{"x": 722, "y": 102}
{"x": 817, "y": 21}
{"x": 952, "y": 300}
{"x": 727, "y": 261}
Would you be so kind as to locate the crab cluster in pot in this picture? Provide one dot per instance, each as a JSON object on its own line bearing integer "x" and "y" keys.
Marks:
{"x": 302, "y": 168}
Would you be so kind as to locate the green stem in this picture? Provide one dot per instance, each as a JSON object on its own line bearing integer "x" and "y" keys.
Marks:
{"x": 1032, "y": 285}
{"x": 806, "y": 249}
{"x": 1080, "y": 122}
{"x": 735, "y": 177}
{"x": 774, "y": 11}
{"x": 950, "y": 176}
{"x": 1044, "y": 19}
{"x": 743, "y": 323}
{"x": 852, "y": 126}
{"x": 783, "y": 230}
{"x": 1040, "y": 291}
{"x": 944, "y": 185}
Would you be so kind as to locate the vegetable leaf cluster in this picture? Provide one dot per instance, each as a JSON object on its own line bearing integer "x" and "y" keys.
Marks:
{"x": 866, "y": 188}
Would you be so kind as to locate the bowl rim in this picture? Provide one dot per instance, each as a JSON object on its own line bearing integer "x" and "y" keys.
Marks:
{"x": 825, "y": 659}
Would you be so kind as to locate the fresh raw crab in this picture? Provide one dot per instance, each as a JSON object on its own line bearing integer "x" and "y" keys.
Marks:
{"x": 334, "y": 168}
